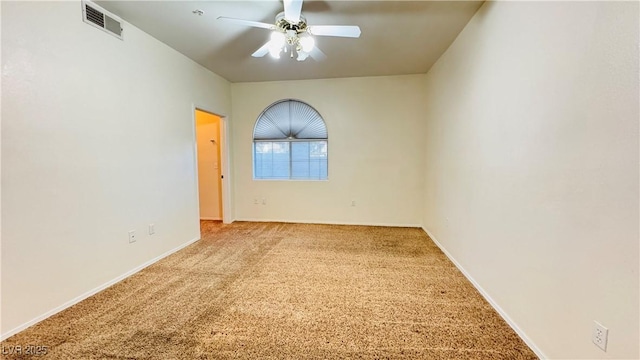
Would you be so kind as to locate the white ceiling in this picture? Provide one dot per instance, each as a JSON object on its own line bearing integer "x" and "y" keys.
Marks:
{"x": 398, "y": 37}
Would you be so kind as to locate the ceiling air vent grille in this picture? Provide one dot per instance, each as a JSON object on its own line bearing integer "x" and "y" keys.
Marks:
{"x": 95, "y": 16}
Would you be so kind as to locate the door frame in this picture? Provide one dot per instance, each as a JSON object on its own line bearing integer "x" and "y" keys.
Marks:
{"x": 224, "y": 161}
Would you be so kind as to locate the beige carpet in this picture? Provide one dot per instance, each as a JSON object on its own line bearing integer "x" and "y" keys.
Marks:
{"x": 286, "y": 291}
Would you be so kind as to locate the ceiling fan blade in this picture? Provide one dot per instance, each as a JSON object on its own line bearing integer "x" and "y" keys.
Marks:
{"x": 248, "y": 23}
{"x": 264, "y": 50}
{"x": 317, "y": 54}
{"x": 292, "y": 9}
{"x": 351, "y": 31}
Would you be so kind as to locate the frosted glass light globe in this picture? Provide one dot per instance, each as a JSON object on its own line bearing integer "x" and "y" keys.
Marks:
{"x": 307, "y": 43}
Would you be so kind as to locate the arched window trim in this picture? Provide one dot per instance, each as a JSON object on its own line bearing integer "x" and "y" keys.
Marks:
{"x": 298, "y": 124}
{"x": 308, "y": 110}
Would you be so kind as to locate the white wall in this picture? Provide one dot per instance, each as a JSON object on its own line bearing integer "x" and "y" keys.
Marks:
{"x": 375, "y": 157}
{"x": 97, "y": 139}
{"x": 532, "y": 168}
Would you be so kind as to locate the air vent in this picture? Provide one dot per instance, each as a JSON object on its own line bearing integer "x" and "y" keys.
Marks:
{"x": 95, "y": 16}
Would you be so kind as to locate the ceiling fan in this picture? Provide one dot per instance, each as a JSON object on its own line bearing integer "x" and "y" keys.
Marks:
{"x": 290, "y": 33}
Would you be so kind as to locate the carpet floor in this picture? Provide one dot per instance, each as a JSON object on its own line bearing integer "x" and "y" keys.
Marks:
{"x": 286, "y": 291}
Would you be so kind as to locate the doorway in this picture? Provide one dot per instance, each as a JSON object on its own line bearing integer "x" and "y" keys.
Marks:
{"x": 208, "y": 144}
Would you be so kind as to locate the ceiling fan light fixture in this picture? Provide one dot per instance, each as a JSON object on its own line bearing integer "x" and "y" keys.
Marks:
{"x": 290, "y": 33}
{"x": 302, "y": 56}
{"x": 274, "y": 52}
{"x": 277, "y": 39}
{"x": 307, "y": 43}
{"x": 276, "y": 43}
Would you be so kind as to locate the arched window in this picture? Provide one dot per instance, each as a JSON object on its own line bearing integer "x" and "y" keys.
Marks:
{"x": 290, "y": 142}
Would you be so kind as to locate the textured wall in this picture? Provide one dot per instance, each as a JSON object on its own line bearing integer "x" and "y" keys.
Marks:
{"x": 531, "y": 179}
{"x": 97, "y": 140}
{"x": 375, "y": 157}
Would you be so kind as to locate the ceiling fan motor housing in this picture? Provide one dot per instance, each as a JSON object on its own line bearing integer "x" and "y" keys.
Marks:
{"x": 292, "y": 31}
{"x": 285, "y": 25}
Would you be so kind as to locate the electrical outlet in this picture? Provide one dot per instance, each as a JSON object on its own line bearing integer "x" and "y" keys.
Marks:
{"x": 255, "y": 201}
{"x": 353, "y": 203}
{"x": 132, "y": 236}
{"x": 264, "y": 201}
{"x": 152, "y": 229}
{"x": 600, "y": 335}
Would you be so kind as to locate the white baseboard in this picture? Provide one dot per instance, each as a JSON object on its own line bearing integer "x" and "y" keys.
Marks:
{"x": 92, "y": 292}
{"x": 491, "y": 302}
{"x": 322, "y": 222}
{"x": 211, "y": 218}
